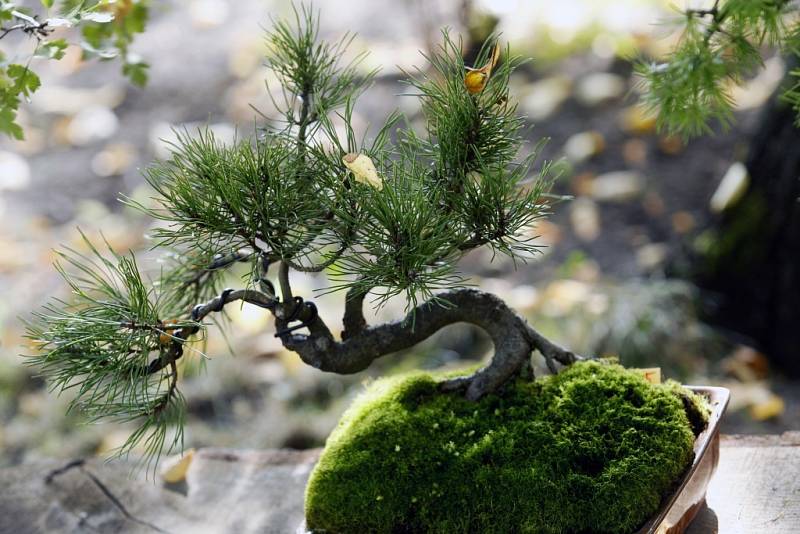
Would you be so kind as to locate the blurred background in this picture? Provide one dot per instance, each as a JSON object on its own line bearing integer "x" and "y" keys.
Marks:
{"x": 604, "y": 284}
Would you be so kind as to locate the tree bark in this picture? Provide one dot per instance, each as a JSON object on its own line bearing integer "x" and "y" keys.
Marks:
{"x": 753, "y": 261}
{"x": 514, "y": 339}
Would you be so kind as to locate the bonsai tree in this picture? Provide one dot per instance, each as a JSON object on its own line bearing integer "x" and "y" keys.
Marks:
{"x": 388, "y": 217}
{"x": 593, "y": 448}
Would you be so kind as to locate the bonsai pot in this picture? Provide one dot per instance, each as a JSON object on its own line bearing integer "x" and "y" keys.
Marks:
{"x": 679, "y": 509}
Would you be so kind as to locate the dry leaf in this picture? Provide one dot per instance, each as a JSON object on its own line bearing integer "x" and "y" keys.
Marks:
{"x": 651, "y": 374}
{"x": 363, "y": 169}
{"x": 475, "y": 79}
{"x": 166, "y": 336}
{"x": 174, "y": 469}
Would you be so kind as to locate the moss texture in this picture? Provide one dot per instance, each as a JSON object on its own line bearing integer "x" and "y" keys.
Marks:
{"x": 593, "y": 449}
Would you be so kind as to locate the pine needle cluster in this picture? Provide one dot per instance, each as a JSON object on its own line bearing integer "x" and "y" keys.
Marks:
{"x": 100, "y": 345}
{"x": 720, "y": 47}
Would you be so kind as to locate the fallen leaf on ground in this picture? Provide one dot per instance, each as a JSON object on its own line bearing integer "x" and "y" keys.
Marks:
{"x": 174, "y": 469}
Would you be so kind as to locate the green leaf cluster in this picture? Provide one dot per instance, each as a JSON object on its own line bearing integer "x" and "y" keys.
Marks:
{"x": 107, "y": 29}
{"x": 720, "y": 47}
{"x": 16, "y": 82}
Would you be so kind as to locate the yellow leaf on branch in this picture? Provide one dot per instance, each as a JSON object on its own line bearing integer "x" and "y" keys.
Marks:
{"x": 166, "y": 337}
{"x": 475, "y": 80}
{"x": 363, "y": 169}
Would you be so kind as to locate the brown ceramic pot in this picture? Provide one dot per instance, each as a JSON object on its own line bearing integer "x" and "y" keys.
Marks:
{"x": 679, "y": 509}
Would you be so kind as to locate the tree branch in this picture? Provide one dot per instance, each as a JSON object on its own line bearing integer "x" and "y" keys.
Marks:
{"x": 283, "y": 279}
{"x": 29, "y": 25}
{"x": 354, "y": 321}
{"x": 335, "y": 255}
{"x": 200, "y": 312}
{"x": 513, "y": 339}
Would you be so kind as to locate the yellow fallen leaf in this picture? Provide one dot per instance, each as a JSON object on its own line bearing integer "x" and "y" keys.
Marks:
{"x": 768, "y": 409}
{"x": 363, "y": 169}
{"x": 174, "y": 469}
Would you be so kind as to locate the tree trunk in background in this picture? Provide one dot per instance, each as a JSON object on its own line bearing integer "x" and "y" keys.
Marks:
{"x": 751, "y": 260}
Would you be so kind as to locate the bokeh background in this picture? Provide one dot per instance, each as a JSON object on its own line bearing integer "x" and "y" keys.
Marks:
{"x": 599, "y": 285}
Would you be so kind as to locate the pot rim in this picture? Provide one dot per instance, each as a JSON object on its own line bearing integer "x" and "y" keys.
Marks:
{"x": 718, "y": 398}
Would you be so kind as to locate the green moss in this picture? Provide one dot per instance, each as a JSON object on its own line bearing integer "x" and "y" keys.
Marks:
{"x": 593, "y": 449}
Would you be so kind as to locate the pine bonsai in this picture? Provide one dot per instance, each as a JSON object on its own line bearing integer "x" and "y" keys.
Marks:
{"x": 388, "y": 217}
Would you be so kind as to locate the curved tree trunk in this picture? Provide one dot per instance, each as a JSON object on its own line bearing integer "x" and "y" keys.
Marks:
{"x": 513, "y": 338}
{"x": 753, "y": 262}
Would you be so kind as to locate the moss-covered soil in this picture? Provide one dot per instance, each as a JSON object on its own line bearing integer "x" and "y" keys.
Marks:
{"x": 593, "y": 449}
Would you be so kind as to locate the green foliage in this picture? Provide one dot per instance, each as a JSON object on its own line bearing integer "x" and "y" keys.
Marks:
{"x": 593, "y": 449}
{"x": 100, "y": 344}
{"x": 286, "y": 195}
{"x": 288, "y": 192}
{"x": 467, "y": 132}
{"x": 405, "y": 243}
{"x": 792, "y": 95}
{"x": 108, "y": 28}
{"x": 457, "y": 189}
{"x": 310, "y": 71}
{"x": 720, "y": 47}
{"x": 16, "y": 81}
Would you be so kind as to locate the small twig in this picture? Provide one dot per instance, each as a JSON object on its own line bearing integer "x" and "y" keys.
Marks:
{"x": 61, "y": 470}
{"x": 320, "y": 266}
{"x": 286, "y": 288}
{"x": 220, "y": 261}
{"x": 29, "y": 25}
{"x": 199, "y": 312}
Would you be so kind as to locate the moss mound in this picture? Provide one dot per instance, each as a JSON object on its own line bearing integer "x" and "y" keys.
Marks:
{"x": 593, "y": 449}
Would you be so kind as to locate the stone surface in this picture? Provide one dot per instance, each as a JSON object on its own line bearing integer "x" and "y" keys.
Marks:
{"x": 756, "y": 489}
{"x": 224, "y": 491}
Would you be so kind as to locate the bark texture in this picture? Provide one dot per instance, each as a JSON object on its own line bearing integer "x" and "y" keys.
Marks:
{"x": 513, "y": 338}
